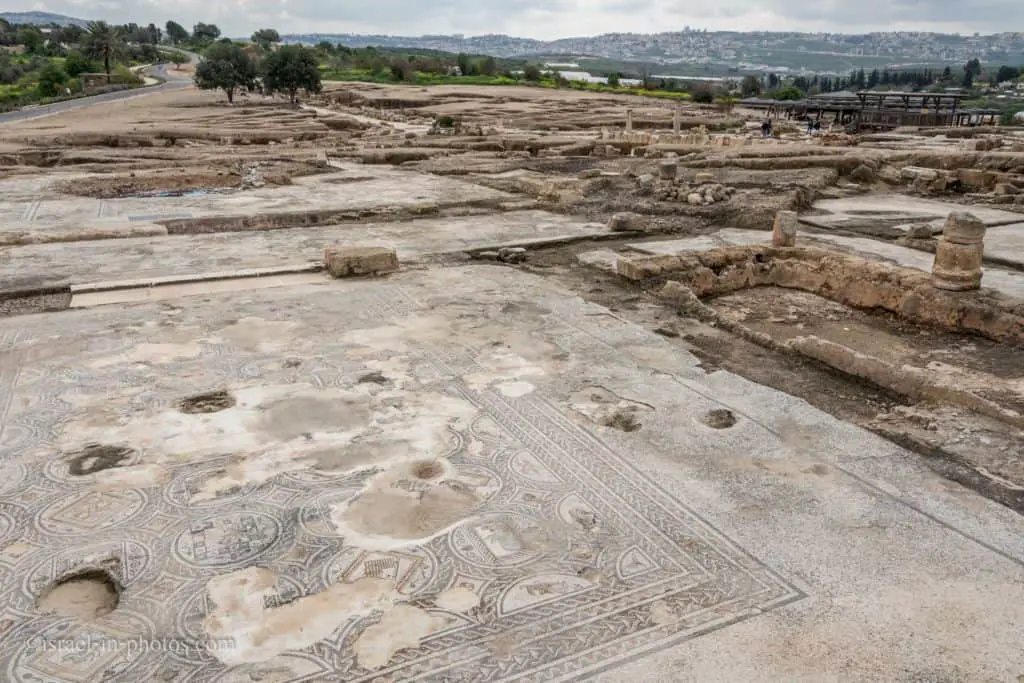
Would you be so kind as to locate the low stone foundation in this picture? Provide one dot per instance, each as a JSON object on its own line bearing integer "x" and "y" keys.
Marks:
{"x": 849, "y": 280}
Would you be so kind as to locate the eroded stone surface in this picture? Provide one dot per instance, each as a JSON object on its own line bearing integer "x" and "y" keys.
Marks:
{"x": 573, "y": 547}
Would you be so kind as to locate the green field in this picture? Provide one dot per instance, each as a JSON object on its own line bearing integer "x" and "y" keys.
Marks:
{"x": 424, "y": 79}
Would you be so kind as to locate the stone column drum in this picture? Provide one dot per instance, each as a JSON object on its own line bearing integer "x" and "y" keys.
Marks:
{"x": 784, "y": 229}
{"x": 629, "y": 120}
{"x": 667, "y": 169}
{"x": 958, "y": 253}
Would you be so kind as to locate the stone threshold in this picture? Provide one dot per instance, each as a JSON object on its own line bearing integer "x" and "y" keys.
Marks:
{"x": 195, "y": 287}
{"x": 140, "y": 283}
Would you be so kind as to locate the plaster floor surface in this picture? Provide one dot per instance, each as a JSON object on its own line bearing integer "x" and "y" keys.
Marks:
{"x": 467, "y": 474}
{"x": 31, "y": 210}
{"x": 138, "y": 258}
{"x": 840, "y": 213}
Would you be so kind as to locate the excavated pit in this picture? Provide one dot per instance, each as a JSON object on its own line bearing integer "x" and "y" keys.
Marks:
{"x": 85, "y": 595}
{"x": 96, "y": 458}
{"x": 719, "y": 418}
{"x": 831, "y": 308}
{"x": 210, "y": 402}
{"x": 849, "y": 280}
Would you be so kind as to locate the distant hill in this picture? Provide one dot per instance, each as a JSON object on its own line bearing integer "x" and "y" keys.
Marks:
{"x": 734, "y": 51}
{"x": 41, "y": 18}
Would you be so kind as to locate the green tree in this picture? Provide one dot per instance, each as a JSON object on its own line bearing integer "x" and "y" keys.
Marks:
{"x": 531, "y": 73}
{"x": 103, "y": 42}
{"x": 488, "y": 67}
{"x": 466, "y": 65}
{"x": 265, "y": 36}
{"x": 176, "y": 33}
{"x": 750, "y": 86}
{"x": 32, "y": 38}
{"x": 1007, "y": 73}
{"x": 790, "y": 93}
{"x": 76, "y": 64}
{"x": 1009, "y": 117}
{"x": 401, "y": 70}
{"x": 52, "y": 80}
{"x": 205, "y": 32}
{"x": 226, "y": 67}
{"x": 613, "y": 80}
{"x": 153, "y": 34}
{"x": 291, "y": 69}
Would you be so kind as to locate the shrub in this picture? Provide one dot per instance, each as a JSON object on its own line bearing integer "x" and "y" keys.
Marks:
{"x": 76, "y": 63}
{"x": 51, "y": 80}
{"x": 703, "y": 97}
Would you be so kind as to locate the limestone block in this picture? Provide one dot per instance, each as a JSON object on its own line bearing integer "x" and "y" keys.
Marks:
{"x": 862, "y": 174}
{"x": 705, "y": 178}
{"x": 784, "y": 229}
{"x": 624, "y": 222}
{"x": 921, "y": 231}
{"x": 667, "y": 170}
{"x": 1006, "y": 189}
{"x": 963, "y": 228}
{"x": 973, "y": 178}
{"x": 694, "y": 199}
{"x": 321, "y": 159}
{"x": 957, "y": 266}
{"x": 349, "y": 261}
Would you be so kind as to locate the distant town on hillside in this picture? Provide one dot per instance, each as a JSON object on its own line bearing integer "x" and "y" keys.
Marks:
{"x": 718, "y": 50}
{"x": 41, "y": 19}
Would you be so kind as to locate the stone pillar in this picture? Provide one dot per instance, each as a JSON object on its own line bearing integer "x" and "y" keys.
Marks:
{"x": 676, "y": 121}
{"x": 784, "y": 229}
{"x": 958, "y": 253}
{"x": 667, "y": 169}
{"x": 629, "y": 120}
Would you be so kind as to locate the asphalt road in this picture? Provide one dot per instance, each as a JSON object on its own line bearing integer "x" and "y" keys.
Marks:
{"x": 157, "y": 70}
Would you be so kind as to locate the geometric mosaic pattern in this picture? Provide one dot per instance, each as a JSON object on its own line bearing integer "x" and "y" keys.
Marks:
{"x": 615, "y": 568}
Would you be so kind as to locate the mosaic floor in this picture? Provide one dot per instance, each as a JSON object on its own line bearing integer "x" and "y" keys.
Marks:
{"x": 571, "y": 560}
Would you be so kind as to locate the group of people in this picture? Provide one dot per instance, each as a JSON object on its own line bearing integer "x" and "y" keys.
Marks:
{"x": 813, "y": 126}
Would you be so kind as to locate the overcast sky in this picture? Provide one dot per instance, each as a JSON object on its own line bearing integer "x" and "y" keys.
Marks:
{"x": 548, "y": 19}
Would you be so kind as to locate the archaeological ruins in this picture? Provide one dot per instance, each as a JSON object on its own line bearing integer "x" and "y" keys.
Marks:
{"x": 458, "y": 384}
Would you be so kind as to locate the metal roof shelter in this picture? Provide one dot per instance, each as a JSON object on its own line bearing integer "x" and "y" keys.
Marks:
{"x": 876, "y": 110}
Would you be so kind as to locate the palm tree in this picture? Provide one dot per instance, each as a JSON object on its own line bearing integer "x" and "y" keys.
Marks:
{"x": 105, "y": 42}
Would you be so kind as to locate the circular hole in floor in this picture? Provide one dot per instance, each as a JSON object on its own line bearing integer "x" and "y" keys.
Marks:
{"x": 720, "y": 418}
{"x": 431, "y": 469}
{"x": 85, "y": 595}
{"x": 210, "y": 402}
{"x": 96, "y": 458}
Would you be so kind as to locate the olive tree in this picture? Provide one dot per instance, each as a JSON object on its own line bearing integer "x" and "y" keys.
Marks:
{"x": 291, "y": 69}
{"x": 226, "y": 67}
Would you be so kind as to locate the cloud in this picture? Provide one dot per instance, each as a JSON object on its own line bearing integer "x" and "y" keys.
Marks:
{"x": 548, "y": 19}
